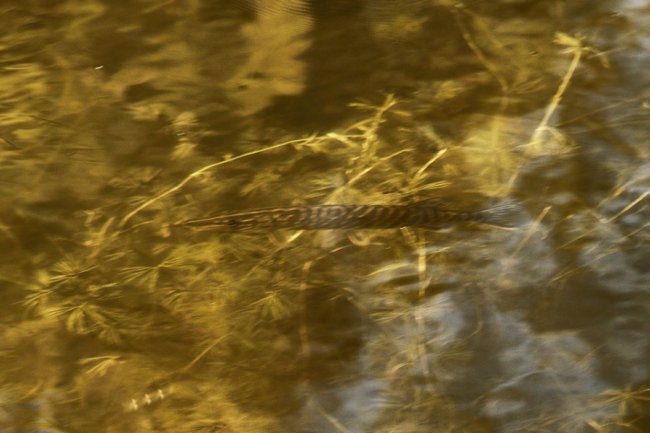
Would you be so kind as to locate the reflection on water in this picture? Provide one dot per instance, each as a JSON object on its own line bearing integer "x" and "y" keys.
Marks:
{"x": 275, "y": 40}
{"x": 119, "y": 120}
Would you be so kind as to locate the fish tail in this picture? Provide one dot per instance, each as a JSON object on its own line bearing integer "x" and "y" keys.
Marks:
{"x": 507, "y": 214}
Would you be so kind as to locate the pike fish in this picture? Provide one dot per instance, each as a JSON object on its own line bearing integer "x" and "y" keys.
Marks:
{"x": 349, "y": 216}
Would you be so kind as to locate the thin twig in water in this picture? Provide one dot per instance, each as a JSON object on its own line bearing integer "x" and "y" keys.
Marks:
{"x": 532, "y": 230}
{"x": 304, "y": 327}
{"x": 469, "y": 40}
{"x": 629, "y": 206}
{"x": 202, "y": 354}
{"x": 202, "y": 170}
{"x": 577, "y": 49}
{"x": 338, "y": 425}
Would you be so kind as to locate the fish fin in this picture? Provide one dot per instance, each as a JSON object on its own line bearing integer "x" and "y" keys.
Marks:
{"x": 508, "y": 214}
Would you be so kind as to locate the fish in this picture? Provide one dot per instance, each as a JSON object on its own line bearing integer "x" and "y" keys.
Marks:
{"x": 349, "y": 216}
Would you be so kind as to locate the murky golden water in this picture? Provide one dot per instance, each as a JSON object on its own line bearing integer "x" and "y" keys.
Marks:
{"x": 120, "y": 119}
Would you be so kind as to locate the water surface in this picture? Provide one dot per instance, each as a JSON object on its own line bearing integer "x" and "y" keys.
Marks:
{"x": 120, "y": 118}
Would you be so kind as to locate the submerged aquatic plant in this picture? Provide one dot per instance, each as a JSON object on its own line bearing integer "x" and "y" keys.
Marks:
{"x": 140, "y": 325}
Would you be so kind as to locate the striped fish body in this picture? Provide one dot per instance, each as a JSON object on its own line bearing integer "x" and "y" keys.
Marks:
{"x": 336, "y": 217}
